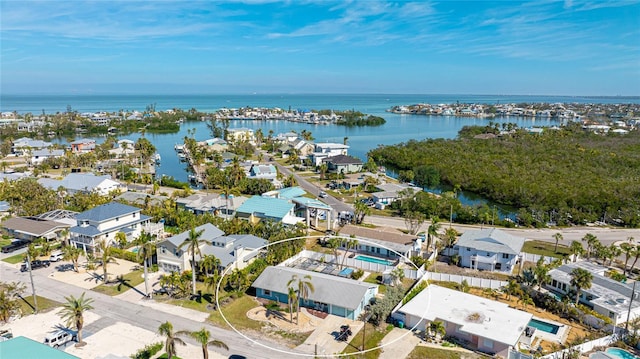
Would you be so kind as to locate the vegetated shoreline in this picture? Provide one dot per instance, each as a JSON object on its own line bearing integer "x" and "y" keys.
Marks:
{"x": 568, "y": 176}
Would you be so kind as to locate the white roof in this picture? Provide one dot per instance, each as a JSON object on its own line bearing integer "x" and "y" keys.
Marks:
{"x": 491, "y": 240}
{"x": 495, "y": 320}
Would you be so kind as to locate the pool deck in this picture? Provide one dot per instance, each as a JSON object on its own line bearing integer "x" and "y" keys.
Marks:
{"x": 559, "y": 337}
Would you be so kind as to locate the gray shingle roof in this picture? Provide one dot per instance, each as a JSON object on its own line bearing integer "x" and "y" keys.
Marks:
{"x": 210, "y": 232}
{"x": 491, "y": 240}
{"x": 106, "y": 212}
{"x": 343, "y": 292}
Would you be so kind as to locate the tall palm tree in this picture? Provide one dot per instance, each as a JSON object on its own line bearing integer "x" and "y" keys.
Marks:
{"x": 72, "y": 253}
{"x": 193, "y": 243}
{"x": 73, "y": 313}
{"x": 580, "y": 279}
{"x": 293, "y": 299}
{"x": 209, "y": 264}
{"x": 304, "y": 287}
{"x": 203, "y": 337}
{"x": 348, "y": 244}
{"x": 628, "y": 250}
{"x": 146, "y": 250}
{"x": 558, "y": 238}
{"x": 432, "y": 231}
{"x": 576, "y": 249}
{"x": 170, "y": 342}
{"x": 636, "y": 255}
{"x": 591, "y": 243}
{"x": 106, "y": 255}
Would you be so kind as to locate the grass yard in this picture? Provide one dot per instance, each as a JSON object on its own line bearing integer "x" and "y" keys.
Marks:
{"x": 14, "y": 259}
{"x": 421, "y": 352}
{"x": 44, "y": 304}
{"x": 546, "y": 249}
{"x": 376, "y": 278}
{"x": 236, "y": 314}
{"x": 5, "y": 241}
{"x": 122, "y": 285}
{"x": 373, "y": 338}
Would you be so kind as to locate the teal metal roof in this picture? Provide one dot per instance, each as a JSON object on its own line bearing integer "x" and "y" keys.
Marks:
{"x": 291, "y": 192}
{"x": 25, "y": 348}
{"x": 266, "y": 207}
{"x": 311, "y": 202}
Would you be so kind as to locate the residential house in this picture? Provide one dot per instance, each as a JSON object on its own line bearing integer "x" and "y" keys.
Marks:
{"x": 23, "y": 347}
{"x": 214, "y": 144}
{"x": 24, "y": 146}
{"x": 235, "y": 251}
{"x": 606, "y": 296}
{"x": 259, "y": 208}
{"x": 263, "y": 171}
{"x": 482, "y": 324}
{"x": 83, "y": 182}
{"x": 391, "y": 192}
{"x": 325, "y": 150}
{"x": 335, "y": 295}
{"x": 39, "y": 156}
{"x": 305, "y": 207}
{"x": 240, "y": 134}
{"x": 123, "y": 148}
{"x": 214, "y": 203}
{"x": 489, "y": 249}
{"x": 104, "y": 222}
{"x": 83, "y": 146}
{"x": 32, "y": 228}
{"x": 343, "y": 164}
{"x": 383, "y": 242}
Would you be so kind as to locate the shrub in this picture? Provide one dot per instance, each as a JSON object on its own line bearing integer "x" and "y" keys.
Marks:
{"x": 148, "y": 351}
{"x": 357, "y": 274}
{"x": 126, "y": 255}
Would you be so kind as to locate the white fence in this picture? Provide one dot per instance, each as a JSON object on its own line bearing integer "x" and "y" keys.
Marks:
{"x": 584, "y": 347}
{"x": 472, "y": 281}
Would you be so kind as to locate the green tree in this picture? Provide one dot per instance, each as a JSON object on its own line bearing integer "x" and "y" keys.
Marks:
{"x": 203, "y": 337}
{"x": 146, "y": 250}
{"x": 360, "y": 210}
{"x": 437, "y": 328}
{"x": 576, "y": 249}
{"x": 432, "y": 231}
{"x": 303, "y": 287}
{"x": 292, "y": 299}
{"x": 10, "y": 299}
{"x": 580, "y": 279}
{"x": 106, "y": 256}
{"x": 628, "y": 250}
{"x": 73, "y": 312}
{"x": 192, "y": 244}
{"x": 72, "y": 253}
{"x": 558, "y": 238}
{"x": 166, "y": 329}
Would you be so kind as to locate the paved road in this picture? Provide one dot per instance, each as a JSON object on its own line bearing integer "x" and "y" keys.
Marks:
{"x": 115, "y": 310}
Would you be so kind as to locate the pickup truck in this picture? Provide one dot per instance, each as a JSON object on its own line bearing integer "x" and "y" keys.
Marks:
{"x": 34, "y": 265}
{"x": 14, "y": 246}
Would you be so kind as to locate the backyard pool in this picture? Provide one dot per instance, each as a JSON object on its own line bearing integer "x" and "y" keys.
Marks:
{"x": 620, "y": 353}
{"x": 544, "y": 326}
{"x": 345, "y": 272}
{"x": 375, "y": 260}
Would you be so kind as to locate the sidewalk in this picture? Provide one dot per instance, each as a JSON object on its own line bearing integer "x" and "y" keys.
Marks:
{"x": 398, "y": 344}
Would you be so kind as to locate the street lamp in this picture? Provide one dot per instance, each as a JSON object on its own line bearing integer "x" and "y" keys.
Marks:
{"x": 365, "y": 319}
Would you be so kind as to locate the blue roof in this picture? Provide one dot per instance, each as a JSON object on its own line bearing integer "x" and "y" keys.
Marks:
{"x": 25, "y": 348}
{"x": 4, "y": 206}
{"x": 266, "y": 207}
{"x": 106, "y": 212}
{"x": 291, "y": 192}
{"x": 311, "y": 202}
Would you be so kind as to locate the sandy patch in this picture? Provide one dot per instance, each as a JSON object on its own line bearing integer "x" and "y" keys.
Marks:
{"x": 89, "y": 279}
{"x": 281, "y": 320}
{"x": 37, "y": 326}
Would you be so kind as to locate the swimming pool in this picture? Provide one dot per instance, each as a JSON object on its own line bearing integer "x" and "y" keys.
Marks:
{"x": 345, "y": 272}
{"x": 544, "y": 326}
{"x": 375, "y": 260}
{"x": 620, "y": 353}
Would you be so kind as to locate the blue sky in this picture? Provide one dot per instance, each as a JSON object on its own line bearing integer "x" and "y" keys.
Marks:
{"x": 162, "y": 47}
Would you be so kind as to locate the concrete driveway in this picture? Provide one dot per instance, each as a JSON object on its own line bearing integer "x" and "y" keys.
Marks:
{"x": 398, "y": 344}
{"x": 323, "y": 339}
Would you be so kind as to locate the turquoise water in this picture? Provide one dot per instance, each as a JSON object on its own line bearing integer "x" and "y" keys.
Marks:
{"x": 620, "y": 353}
{"x": 374, "y": 260}
{"x": 544, "y": 326}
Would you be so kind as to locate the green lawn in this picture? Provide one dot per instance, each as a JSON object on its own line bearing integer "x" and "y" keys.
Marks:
{"x": 5, "y": 241}
{"x": 545, "y": 248}
{"x": 373, "y": 337}
{"x": 236, "y": 314}
{"x": 127, "y": 282}
{"x": 44, "y": 304}
{"x": 14, "y": 259}
{"x": 434, "y": 353}
{"x": 376, "y": 278}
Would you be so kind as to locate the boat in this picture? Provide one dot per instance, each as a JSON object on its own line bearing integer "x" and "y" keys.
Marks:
{"x": 179, "y": 148}
{"x": 182, "y": 156}
{"x": 157, "y": 158}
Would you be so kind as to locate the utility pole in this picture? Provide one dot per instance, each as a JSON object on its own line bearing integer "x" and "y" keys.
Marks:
{"x": 633, "y": 294}
{"x": 33, "y": 287}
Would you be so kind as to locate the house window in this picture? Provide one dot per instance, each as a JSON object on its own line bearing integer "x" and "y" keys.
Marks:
{"x": 554, "y": 283}
{"x": 505, "y": 255}
{"x": 488, "y": 254}
{"x": 117, "y": 219}
{"x": 267, "y": 292}
{"x": 473, "y": 263}
{"x": 612, "y": 315}
{"x": 468, "y": 249}
{"x": 134, "y": 215}
{"x": 378, "y": 250}
{"x": 487, "y": 343}
{"x": 498, "y": 266}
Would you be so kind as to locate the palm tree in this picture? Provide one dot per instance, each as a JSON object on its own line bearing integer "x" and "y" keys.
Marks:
{"x": 348, "y": 244}
{"x": 293, "y": 299}
{"x": 323, "y": 170}
{"x": 437, "y": 328}
{"x": 432, "y": 231}
{"x": 106, "y": 255}
{"x": 209, "y": 264}
{"x": 558, "y": 238}
{"x": 580, "y": 279}
{"x": 614, "y": 252}
{"x": 73, "y": 313}
{"x": 203, "y": 337}
{"x": 397, "y": 275}
{"x": 146, "y": 250}
{"x": 72, "y": 253}
{"x": 451, "y": 235}
{"x": 628, "y": 250}
{"x": 193, "y": 243}
{"x": 304, "y": 286}
{"x": 636, "y": 255}
{"x": 511, "y": 288}
{"x": 170, "y": 342}
{"x": 591, "y": 242}
{"x": 576, "y": 249}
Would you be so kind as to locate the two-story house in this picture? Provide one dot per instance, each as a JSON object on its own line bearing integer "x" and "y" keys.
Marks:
{"x": 325, "y": 150}
{"x": 104, "y": 222}
{"x": 489, "y": 249}
{"x": 259, "y": 208}
{"x": 236, "y": 251}
{"x": 83, "y": 146}
{"x": 83, "y": 182}
{"x": 343, "y": 164}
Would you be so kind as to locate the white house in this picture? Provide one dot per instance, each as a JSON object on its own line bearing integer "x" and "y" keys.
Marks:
{"x": 233, "y": 250}
{"x": 83, "y": 182}
{"x": 39, "y": 156}
{"x": 606, "y": 296}
{"x": 489, "y": 249}
{"x": 104, "y": 222}
{"x": 484, "y": 324}
{"x": 326, "y": 150}
{"x": 240, "y": 134}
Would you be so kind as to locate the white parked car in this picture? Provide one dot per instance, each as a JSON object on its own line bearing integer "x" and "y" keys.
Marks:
{"x": 59, "y": 337}
{"x": 56, "y": 256}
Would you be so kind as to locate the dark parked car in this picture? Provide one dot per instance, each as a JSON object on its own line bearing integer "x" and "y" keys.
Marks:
{"x": 34, "y": 265}
{"x": 14, "y": 246}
